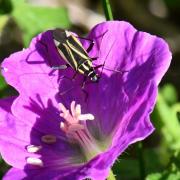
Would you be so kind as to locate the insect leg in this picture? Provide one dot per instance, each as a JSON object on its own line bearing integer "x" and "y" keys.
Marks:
{"x": 83, "y": 86}
{"x": 74, "y": 75}
{"x": 90, "y": 47}
{"x": 69, "y": 78}
{"x": 61, "y": 67}
{"x": 94, "y": 58}
{"x": 91, "y": 43}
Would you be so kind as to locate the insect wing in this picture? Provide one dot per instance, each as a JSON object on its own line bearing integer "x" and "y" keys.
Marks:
{"x": 67, "y": 55}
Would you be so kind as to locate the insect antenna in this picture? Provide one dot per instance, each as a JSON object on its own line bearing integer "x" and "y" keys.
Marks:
{"x": 105, "y": 67}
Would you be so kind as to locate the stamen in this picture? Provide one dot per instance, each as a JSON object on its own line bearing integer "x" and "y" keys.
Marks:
{"x": 74, "y": 125}
{"x": 34, "y": 161}
{"x": 83, "y": 117}
{"x": 49, "y": 139}
{"x": 33, "y": 148}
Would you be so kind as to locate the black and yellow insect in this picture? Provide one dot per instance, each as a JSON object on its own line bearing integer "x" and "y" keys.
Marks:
{"x": 74, "y": 54}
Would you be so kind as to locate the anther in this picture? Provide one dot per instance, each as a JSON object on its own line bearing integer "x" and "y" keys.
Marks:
{"x": 34, "y": 161}
{"x": 49, "y": 139}
{"x": 33, "y": 148}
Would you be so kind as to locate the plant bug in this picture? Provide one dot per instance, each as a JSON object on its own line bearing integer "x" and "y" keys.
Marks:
{"x": 74, "y": 54}
{"x": 76, "y": 57}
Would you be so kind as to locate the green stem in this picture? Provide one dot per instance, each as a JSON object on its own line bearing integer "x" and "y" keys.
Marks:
{"x": 141, "y": 160}
{"x": 111, "y": 176}
{"x": 107, "y": 10}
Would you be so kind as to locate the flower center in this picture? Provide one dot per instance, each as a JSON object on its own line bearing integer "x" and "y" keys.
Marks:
{"x": 76, "y": 130}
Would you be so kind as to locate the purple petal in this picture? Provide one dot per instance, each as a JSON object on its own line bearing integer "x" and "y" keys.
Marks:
{"x": 12, "y": 141}
{"x": 46, "y": 174}
{"x": 17, "y": 134}
{"x": 15, "y": 174}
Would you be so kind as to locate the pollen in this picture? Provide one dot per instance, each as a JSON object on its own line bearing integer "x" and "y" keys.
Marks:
{"x": 33, "y": 148}
{"x": 34, "y": 161}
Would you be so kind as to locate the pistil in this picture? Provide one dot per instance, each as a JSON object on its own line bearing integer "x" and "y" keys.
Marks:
{"x": 74, "y": 126}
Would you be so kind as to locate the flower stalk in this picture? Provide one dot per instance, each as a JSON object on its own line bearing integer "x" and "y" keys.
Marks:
{"x": 107, "y": 10}
{"x": 141, "y": 160}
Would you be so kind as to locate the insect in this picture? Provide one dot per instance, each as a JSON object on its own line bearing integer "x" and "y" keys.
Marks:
{"x": 74, "y": 54}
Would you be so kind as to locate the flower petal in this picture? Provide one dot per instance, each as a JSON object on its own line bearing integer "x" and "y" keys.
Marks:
{"x": 15, "y": 174}
{"x": 145, "y": 58}
{"x": 12, "y": 141}
{"x": 17, "y": 134}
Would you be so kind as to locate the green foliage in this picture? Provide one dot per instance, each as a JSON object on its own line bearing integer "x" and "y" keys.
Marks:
{"x": 168, "y": 117}
{"x": 2, "y": 83}
{"x": 3, "y": 167}
{"x": 154, "y": 176}
{"x": 33, "y": 20}
{"x": 168, "y": 125}
{"x": 3, "y": 21}
{"x": 125, "y": 165}
{"x": 6, "y": 90}
{"x": 5, "y": 6}
{"x": 169, "y": 93}
{"x": 171, "y": 173}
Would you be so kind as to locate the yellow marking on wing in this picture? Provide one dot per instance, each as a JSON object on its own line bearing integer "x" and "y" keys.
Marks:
{"x": 76, "y": 40}
{"x": 62, "y": 55}
{"x": 72, "y": 57}
{"x": 89, "y": 63}
{"x": 84, "y": 66}
{"x": 80, "y": 71}
{"x": 83, "y": 56}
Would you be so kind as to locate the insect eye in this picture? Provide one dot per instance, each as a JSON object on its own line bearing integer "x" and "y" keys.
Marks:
{"x": 94, "y": 78}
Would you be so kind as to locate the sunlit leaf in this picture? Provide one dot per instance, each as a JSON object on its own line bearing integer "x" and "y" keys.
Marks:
{"x": 35, "y": 19}
{"x": 170, "y": 123}
{"x": 154, "y": 176}
{"x": 3, "y": 21}
{"x": 169, "y": 94}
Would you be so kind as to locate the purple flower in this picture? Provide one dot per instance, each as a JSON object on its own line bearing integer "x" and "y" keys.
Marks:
{"x": 56, "y": 130}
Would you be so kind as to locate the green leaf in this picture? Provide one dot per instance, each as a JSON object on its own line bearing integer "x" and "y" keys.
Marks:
{"x": 170, "y": 126}
{"x": 35, "y": 19}
{"x": 165, "y": 175}
{"x": 3, "y": 21}
{"x": 154, "y": 176}
{"x": 2, "y": 83}
{"x": 169, "y": 94}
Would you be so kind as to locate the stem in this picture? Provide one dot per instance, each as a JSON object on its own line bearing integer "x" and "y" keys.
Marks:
{"x": 107, "y": 10}
{"x": 111, "y": 176}
{"x": 141, "y": 160}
